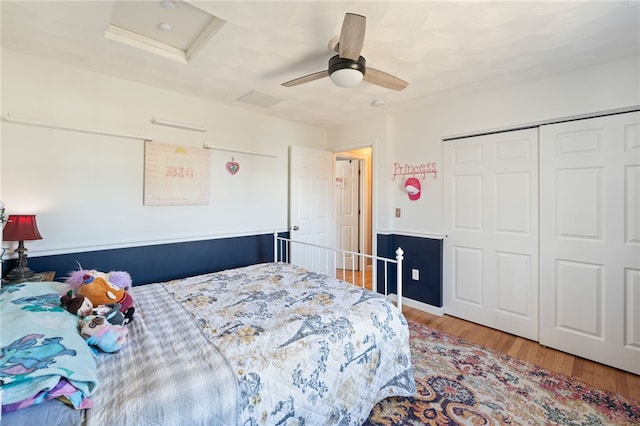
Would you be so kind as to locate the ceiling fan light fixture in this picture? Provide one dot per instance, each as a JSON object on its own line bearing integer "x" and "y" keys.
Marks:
{"x": 345, "y": 72}
{"x": 347, "y": 77}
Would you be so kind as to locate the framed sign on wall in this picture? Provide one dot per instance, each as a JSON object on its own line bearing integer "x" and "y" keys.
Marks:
{"x": 175, "y": 175}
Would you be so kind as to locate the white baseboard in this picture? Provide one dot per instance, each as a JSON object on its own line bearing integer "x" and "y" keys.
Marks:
{"x": 430, "y": 309}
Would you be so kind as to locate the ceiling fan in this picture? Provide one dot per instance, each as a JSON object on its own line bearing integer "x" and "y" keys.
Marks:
{"x": 348, "y": 68}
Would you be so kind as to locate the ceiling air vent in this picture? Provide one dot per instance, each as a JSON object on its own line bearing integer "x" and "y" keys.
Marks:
{"x": 258, "y": 99}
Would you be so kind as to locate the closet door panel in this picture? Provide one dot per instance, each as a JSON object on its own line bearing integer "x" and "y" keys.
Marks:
{"x": 467, "y": 198}
{"x": 632, "y": 308}
{"x": 513, "y": 279}
{"x": 468, "y": 275}
{"x": 579, "y": 297}
{"x": 490, "y": 261}
{"x": 589, "y": 245}
{"x": 632, "y": 208}
{"x": 579, "y": 213}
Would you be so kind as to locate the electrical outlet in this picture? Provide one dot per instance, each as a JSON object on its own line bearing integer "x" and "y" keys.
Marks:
{"x": 398, "y": 212}
{"x": 415, "y": 274}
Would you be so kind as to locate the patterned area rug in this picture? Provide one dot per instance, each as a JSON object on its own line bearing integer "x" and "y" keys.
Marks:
{"x": 462, "y": 383}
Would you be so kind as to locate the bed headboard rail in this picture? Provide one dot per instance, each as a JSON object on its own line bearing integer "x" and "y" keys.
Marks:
{"x": 351, "y": 265}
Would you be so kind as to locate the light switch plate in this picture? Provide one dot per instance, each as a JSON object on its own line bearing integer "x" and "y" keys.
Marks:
{"x": 415, "y": 274}
{"x": 398, "y": 212}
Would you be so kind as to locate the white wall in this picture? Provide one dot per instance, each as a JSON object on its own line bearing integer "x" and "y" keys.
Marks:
{"x": 372, "y": 132}
{"x": 416, "y": 137}
{"x": 87, "y": 189}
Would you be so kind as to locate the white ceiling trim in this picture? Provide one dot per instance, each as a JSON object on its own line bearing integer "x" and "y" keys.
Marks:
{"x": 145, "y": 43}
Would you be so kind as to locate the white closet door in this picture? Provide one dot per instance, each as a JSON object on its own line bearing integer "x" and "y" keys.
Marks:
{"x": 590, "y": 239}
{"x": 491, "y": 223}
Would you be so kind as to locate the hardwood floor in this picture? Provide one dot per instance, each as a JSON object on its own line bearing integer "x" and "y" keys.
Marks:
{"x": 592, "y": 373}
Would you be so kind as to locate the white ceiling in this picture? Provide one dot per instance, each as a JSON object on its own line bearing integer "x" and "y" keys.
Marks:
{"x": 442, "y": 48}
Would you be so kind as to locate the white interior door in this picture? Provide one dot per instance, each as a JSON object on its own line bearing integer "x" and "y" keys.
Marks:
{"x": 590, "y": 239}
{"x": 491, "y": 221}
{"x": 347, "y": 211}
{"x": 311, "y": 207}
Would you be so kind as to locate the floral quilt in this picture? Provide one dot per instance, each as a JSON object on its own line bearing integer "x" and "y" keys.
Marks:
{"x": 306, "y": 348}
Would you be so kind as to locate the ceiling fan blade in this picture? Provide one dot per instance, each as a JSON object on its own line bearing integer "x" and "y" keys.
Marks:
{"x": 352, "y": 36}
{"x": 381, "y": 78}
{"x": 307, "y": 78}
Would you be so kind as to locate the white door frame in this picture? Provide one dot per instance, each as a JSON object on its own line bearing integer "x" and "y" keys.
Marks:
{"x": 357, "y": 243}
{"x": 365, "y": 195}
{"x": 367, "y": 200}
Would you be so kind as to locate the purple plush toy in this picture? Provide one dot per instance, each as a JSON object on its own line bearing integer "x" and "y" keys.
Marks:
{"x": 120, "y": 279}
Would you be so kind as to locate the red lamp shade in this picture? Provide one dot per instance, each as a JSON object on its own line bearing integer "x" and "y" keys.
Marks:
{"x": 21, "y": 227}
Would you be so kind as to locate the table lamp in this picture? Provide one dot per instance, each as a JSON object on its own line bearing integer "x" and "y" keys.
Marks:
{"x": 21, "y": 228}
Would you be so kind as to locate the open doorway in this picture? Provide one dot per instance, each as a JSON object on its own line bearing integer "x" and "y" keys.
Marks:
{"x": 353, "y": 204}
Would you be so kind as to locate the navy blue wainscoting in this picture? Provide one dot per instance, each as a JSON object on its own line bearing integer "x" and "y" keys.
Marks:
{"x": 162, "y": 262}
{"x": 423, "y": 254}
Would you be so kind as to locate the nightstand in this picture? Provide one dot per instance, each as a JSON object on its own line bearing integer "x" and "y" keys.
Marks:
{"x": 37, "y": 277}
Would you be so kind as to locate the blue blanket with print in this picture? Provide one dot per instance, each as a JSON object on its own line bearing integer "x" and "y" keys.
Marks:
{"x": 41, "y": 346}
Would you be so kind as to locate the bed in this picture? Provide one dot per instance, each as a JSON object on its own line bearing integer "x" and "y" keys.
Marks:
{"x": 271, "y": 343}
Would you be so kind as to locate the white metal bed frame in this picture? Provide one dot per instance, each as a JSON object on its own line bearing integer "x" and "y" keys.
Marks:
{"x": 282, "y": 248}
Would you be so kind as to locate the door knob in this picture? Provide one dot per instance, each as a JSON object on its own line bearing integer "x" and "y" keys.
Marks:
{"x": 295, "y": 227}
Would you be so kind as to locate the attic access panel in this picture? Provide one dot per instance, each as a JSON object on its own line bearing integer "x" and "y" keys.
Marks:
{"x": 173, "y": 29}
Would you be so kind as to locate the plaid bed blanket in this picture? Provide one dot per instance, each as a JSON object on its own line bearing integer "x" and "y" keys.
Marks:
{"x": 168, "y": 374}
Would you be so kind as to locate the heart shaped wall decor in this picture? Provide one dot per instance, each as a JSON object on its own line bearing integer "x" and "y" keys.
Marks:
{"x": 233, "y": 167}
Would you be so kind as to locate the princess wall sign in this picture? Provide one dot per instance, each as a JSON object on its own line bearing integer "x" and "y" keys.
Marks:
{"x": 414, "y": 171}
